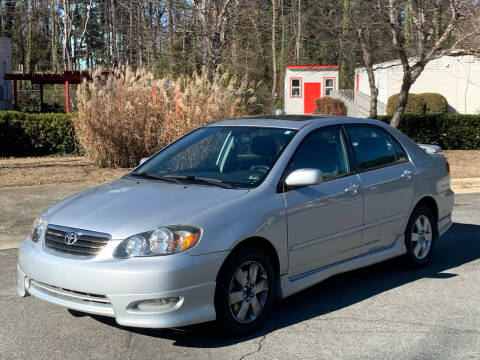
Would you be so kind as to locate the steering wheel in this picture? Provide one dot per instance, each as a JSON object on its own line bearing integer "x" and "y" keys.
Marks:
{"x": 260, "y": 168}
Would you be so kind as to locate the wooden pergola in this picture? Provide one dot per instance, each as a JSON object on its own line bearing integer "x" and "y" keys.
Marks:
{"x": 67, "y": 78}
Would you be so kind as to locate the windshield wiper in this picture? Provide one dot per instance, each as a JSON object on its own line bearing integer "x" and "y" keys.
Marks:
{"x": 199, "y": 179}
{"x": 145, "y": 175}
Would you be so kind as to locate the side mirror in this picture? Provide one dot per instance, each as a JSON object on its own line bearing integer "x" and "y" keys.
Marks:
{"x": 142, "y": 160}
{"x": 304, "y": 177}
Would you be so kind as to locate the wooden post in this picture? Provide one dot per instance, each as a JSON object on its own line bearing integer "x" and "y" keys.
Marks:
{"x": 15, "y": 95}
{"x": 41, "y": 97}
{"x": 67, "y": 97}
{"x": 154, "y": 95}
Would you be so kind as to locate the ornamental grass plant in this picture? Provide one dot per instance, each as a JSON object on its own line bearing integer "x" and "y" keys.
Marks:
{"x": 127, "y": 115}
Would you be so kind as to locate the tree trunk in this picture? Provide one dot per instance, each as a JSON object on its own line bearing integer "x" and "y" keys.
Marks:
{"x": 299, "y": 33}
{"x": 367, "y": 50}
{"x": 168, "y": 5}
{"x": 402, "y": 100}
{"x": 274, "y": 51}
{"x": 373, "y": 93}
{"x": 343, "y": 74}
{"x": 28, "y": 61}
{"x": 130, "y": 34}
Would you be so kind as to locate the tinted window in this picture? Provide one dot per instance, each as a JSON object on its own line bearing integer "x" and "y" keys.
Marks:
{"x": 372, "y": 146}
{"x": 400, "y": 153}
{"x": 323, "y": 149}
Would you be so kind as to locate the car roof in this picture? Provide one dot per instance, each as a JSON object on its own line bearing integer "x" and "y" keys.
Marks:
{"x": 291, "y": 121}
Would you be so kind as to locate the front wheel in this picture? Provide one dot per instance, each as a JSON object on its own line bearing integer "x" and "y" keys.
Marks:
{"x": 245, "y": 291}
{"x": 420, "y": 237}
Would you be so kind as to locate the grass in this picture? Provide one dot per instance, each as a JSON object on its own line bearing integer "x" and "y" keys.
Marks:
{"x": 53, "y": 170}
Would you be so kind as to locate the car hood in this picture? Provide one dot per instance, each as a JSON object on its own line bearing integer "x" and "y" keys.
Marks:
{"x": 129, "y": 206}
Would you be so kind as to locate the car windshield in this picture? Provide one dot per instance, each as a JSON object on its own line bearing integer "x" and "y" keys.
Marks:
{"x": 227, "y": 156}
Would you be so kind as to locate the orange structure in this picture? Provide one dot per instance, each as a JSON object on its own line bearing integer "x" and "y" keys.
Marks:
{"x": 67, "y": 78}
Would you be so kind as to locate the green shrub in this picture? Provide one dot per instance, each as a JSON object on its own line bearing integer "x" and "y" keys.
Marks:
{"x": 330, "y": 106}
{"x": 434, "y": 103}
{"x": 449, "y": 131}
{"x": 23, "y": 134}
{"x": 415, "y": 104}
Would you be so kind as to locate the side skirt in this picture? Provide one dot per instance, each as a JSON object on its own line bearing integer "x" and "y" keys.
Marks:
{"x": 291, "y": 285}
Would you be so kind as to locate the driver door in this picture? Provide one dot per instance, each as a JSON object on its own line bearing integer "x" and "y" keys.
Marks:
{"x": 325, "y": 220}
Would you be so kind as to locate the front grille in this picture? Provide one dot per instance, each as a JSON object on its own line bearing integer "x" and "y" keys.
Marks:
{"x": 69, "y": 295}
{"x": 88, "y": 243}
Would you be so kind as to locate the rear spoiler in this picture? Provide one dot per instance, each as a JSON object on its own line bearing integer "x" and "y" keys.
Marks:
{"x": 430, "y": 149}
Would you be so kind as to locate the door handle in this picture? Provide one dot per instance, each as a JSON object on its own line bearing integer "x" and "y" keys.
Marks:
{"x": 407, "y": 174}
{"x": 352, "y": 188}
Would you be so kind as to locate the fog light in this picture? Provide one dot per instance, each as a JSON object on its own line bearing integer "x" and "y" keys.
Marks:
{"x": 158, "y": 304}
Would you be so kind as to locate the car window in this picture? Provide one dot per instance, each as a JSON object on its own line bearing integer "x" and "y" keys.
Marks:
{"x": 400, "y": 153}
{"x": 373, "y": 147}
{"x": 322, "y": 149}
{"x": 238, "y": 155}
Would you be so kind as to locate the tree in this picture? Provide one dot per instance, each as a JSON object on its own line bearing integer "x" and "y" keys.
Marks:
{"x": 274, "y": 49}
{"x": 434, "y": 33}
{"x": 213, "y": 18}
{"x": 369, "y": 27}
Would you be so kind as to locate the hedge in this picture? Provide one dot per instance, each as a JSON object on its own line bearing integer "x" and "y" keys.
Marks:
{"x": 449, "y": 131}
{"x": 434, "y": 103}
{"x": 23, "y": 134}
{"x": 424, "y": 103}
{"x": 415, "y": 104}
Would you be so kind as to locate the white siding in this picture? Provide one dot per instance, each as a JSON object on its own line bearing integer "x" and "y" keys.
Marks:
{"x": 455, "y": 77}
{"x": 295, "y": 105}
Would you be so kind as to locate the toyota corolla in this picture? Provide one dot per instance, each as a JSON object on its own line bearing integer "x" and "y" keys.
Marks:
{"x": 235, "y": 214}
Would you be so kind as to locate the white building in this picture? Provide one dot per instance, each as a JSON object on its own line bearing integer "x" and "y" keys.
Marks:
{"x": 306, "y": 83}
{"x": 5, "y": 68}
{"x": 457, "y": 78}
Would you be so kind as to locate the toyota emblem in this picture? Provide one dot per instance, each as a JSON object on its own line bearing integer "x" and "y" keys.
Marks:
{"x": 71, "y": 238}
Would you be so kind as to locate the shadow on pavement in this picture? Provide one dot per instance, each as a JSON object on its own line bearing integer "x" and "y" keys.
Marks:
{"x": 460, "y": 245}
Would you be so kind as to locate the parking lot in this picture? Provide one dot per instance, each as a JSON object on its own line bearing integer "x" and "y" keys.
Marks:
{"x": 381, "y": 312}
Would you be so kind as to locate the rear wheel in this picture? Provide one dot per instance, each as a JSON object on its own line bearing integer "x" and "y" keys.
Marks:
{"x": 420, "y": 237}
{"x": 245, "y": 291}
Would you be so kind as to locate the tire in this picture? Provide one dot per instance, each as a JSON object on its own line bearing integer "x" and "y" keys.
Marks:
{"x": 234, "y": 283}
{"x": 420, "y": 237}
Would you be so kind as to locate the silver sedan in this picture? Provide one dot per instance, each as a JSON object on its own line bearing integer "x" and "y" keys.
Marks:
{"x": 235, "y": 214}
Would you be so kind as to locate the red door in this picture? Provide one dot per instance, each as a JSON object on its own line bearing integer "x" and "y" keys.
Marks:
{"x": 312, "y": 93}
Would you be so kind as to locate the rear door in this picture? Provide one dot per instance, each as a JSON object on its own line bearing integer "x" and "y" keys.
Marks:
{"x": 324, "y": 220}
{"x": 387, "y": 178}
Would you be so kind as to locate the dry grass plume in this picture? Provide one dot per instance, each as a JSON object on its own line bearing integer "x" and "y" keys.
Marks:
{"x": 118, "y": 121}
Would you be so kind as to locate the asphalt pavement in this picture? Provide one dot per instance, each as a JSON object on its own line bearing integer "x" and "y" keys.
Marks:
{"x": 381, "y": 312}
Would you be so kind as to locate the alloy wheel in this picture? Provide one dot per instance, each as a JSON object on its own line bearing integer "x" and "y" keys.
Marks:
{"x": 248, "y": 292}
{"x": 421, "y": 237}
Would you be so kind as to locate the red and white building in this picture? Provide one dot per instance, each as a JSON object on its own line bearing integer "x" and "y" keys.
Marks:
{"x": 306, "y": 83}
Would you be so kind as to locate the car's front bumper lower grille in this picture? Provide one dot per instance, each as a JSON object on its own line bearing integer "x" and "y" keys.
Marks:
{"x": 70, "y": 295}
{"x": 81, "y": 301}
{"x": 87, "y": 243}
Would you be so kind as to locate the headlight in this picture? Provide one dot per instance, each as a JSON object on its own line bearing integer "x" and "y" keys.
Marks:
{"x": 39, "y": 227}
{"x": 164, "y": 240}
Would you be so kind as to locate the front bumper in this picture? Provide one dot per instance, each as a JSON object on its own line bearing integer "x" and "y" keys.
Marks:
{"x": 112, "y": 287}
